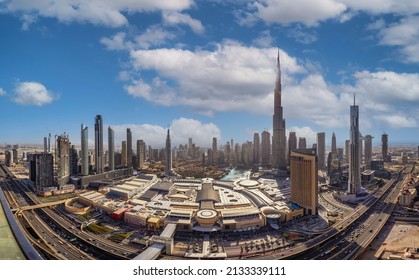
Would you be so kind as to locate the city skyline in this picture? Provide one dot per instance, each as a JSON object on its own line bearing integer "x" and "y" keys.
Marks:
{"x": 176, "y": 66}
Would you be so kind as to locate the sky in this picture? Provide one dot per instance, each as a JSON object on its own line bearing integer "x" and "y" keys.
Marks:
{"x": 207, "y": 68}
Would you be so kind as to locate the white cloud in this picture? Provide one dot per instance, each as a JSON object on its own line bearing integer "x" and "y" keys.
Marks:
{"x": 398, "y": 120}
{"x": 264, "y": 40}
{"x": 116, "y": 42}
{"x": 231, "y": 77}
{"x": 154, "y": 36}
{"x": 32, "y": 93}
{"x": 301, "y": 35}
{"x": 175, "y": 18}
{"x": 180, "y": 130}
{"x": 308, "y": 12}
{"x": 404, "y": 34}
{"x": 100, "y": 12}
{"x": 2, "y": 92}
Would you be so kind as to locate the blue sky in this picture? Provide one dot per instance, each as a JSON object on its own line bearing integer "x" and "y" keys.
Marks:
{"x": 207, "y": 68}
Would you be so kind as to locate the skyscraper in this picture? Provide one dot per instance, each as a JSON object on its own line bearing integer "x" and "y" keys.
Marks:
{"x": 278, "y": 137}
{"x": 129, "y": 148}
{"x": 368, "y": 150}
{"x": 124, "y": 159}
{"x": 334, "y": 143}
{"x": 256, "y": 148}
{"x": 45, "y": 145}
{"x": 111, "y": 149}
{"x": 321, "y": 150}
{"x": 266, "y": 148}
{"x": 302, "y": 143}
{"x": 354, "y": 178}
{"x": 84, "y": 151}
{"x": 347, "y": 150}
{"x": 74, "y": 161}
{"x": 214, "y": 150}
{"x": 168, "y": 153}
{"x": 41, "y": 170}
{"x": 62, "y": 159}
{"x": 304, "y": 190}
{"x": 292, "y": 144}
{"x": 99, "y": 144}
{"x": 384, "y": 147}
{"x": 140, "y": 153}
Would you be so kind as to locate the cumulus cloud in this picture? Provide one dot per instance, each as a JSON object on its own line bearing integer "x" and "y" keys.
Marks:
{"x": 264, "y": 40}
{"x": 2, "y": 92}
{"x": 308, "y": 12}
{"x": 397, "y": 120}
{"x": 116, "y": 42}
{"x": 32, "y": 93}
{"x": 180, "y": 131}
{"x": 230, "y": 77}
{"x": 175, "y": 18}
{"x": 403, "y": 34}
{"x": 154, "y": 36}
{"x": 100, "y": 12}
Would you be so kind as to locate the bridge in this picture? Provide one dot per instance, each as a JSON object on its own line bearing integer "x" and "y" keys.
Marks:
{"x": 36, "y": 206}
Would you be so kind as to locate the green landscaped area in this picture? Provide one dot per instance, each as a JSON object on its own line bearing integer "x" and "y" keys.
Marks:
{"x": 98, "y": 228}
{"x": 119, "y": 237}
{"x": 9, "y": 249}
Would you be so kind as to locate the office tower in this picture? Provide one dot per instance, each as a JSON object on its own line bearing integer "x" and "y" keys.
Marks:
{"x": 74, "y": 161}
{"x": 99, "y": 144}
{"x": 45, "y": 145}
{"x": 302, "y": 143}
{"x": 15, "y": 155}
{"x": 340, "y": 153}
{"x": 168, "y": 152}
{"x": 8, "y": 158}
{"x": 292, "y": 144}
{"x": 347, "y": 150}
{"x": 354, "y": 177}
{"x": 227, "y": 152}
{"x": 84, "y": 151}
{"x": 266, "y": 148}
{"x": 214, "y": 151}
{"x": 256, "y": 148}
{"x": 334, "y": 143}
{"x": 41, "y": 170}
{"x": 384, "y": 147}
{"x": 278, "y": 137}
{"x": 111, "y": 149}
{"x": 49, "y": 143}
{"x": 368, "y": 150}
{"x": 190, "y": 149}
{"x": 140, "y": 153}
{"x": 321, "y": 150}
{"x": 62, "y": 159}
{"x": 124, "y": 159}
{"x": 304, "y": 190}
{"x": 129, "y": 148}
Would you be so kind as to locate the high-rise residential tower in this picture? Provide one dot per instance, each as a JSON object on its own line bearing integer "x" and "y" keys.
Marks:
{"x": 302, "y": 143}
{"x": 278, "y": 137}
{"x": 84, "y": 151}
{"x": 168, "y": 153}
{"x": 99, "y": 144}
{"x": 62, "y": 159}
{"x": 292, "y": 144}
{"x": 256, "y": 148}
{"x": 266, "y": 148}
{"x": 303, "y": 176}
{"x": 354, "y": 177}
{"x": 129, "y": 147}
{"x": 321, "y": 150}
{"x": 368, "y": 150}
{"x": 140, "y": 153}
{"x": 214, "y": 151}
{"x": 384, "y": 147}
{"x": 334, "y": 143}
{"x": 111, "y": 149}
{"x": 124, "y": 160}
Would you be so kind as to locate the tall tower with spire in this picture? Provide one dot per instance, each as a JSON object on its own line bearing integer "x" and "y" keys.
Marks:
{"x": 278, "y": 137}
{"x": 168, "y": 151}
{"x": 354, "y": 179}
